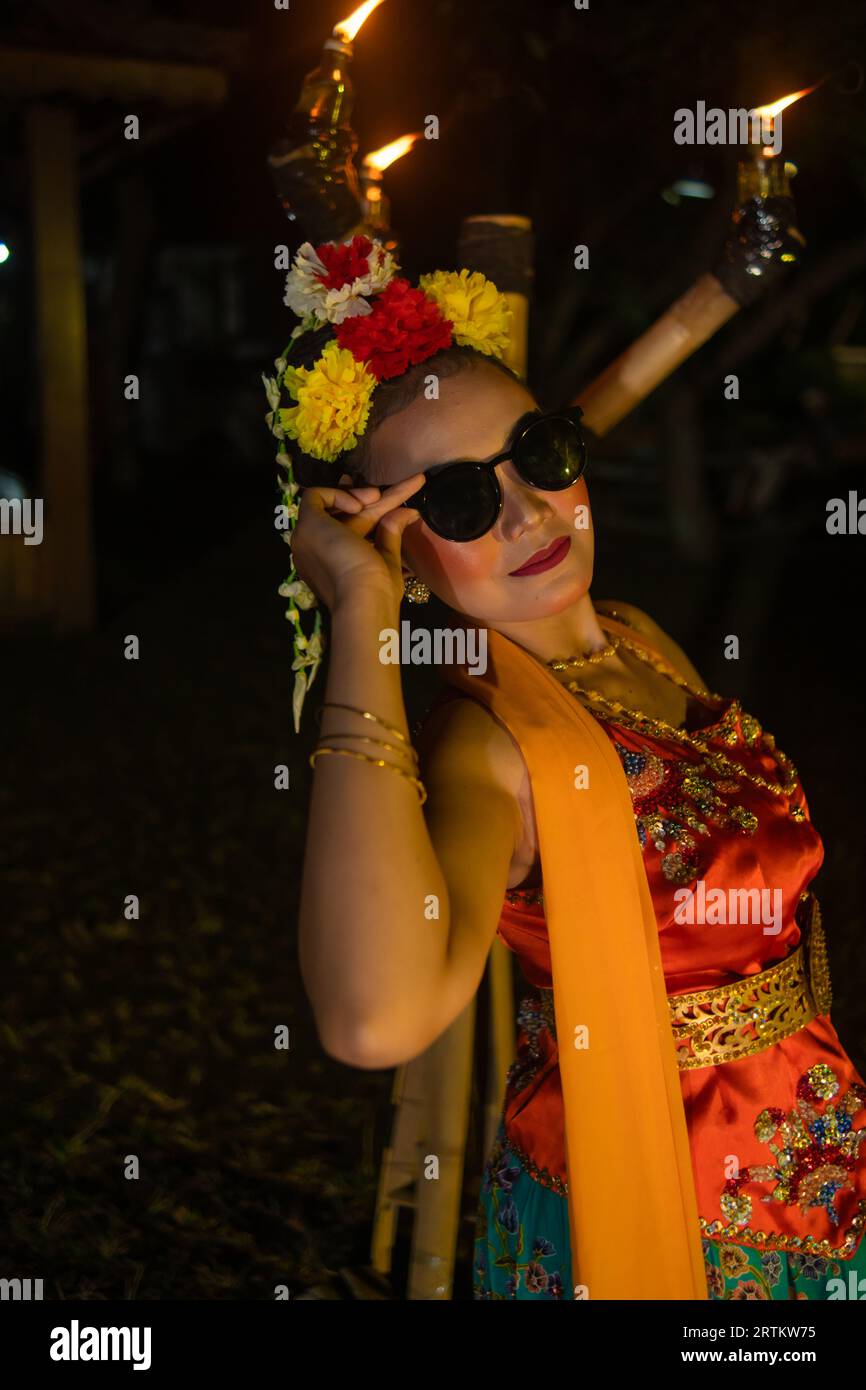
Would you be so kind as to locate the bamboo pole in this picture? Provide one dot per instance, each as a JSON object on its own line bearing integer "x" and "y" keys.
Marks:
{"x": 439, "y": 1177}
{"x": 398, "y": 1173}
{"x": 680, "y": 331}
{"x": 501, "y": 1035}
{"x": 62, "y": 336}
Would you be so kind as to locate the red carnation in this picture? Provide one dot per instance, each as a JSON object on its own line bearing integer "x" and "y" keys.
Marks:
{"x": 403, "y": 327}
{"x": 344, "y": 264}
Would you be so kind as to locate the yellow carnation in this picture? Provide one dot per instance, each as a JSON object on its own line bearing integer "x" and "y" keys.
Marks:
{"x": 479, "y": 313}
{"x": 333, "y": 403}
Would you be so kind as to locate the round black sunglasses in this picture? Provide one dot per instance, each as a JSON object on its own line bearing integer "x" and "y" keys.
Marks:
{"x": 460, "y": 501}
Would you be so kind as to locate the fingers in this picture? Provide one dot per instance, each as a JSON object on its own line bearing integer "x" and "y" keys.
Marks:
{"x": 365, "y": 505}
{"x": 330, "y": 499}
{"x": 366, "y": 495}
{"x": 390, "y": 500}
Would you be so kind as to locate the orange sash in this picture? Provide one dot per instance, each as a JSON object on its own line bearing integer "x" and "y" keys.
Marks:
{"x": 631, "y": 1199}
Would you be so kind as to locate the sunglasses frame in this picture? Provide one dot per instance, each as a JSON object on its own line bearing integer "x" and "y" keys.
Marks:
{"x": 572, "y": 414}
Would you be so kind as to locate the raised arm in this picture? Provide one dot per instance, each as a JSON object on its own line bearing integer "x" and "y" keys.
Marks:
{"x": 399, "y": 903}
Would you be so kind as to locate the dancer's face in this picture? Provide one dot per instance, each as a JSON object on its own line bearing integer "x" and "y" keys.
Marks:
{"x": 473, "y": 419}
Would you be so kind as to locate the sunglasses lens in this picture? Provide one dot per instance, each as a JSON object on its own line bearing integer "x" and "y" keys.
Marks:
{"x": 551, "y": 455}
{"x": 461, "y": 503}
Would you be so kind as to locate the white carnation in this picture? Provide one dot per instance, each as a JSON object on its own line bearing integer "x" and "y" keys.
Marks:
{"x": 305, "y": 293}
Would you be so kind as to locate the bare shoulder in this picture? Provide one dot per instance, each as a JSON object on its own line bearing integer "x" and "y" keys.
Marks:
{"x": 462, "y": 742}
{"x": 643, "y": 623}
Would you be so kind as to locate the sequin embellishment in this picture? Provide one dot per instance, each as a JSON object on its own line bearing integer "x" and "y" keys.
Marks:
{"x": 672, "y": 799}
{"x": 816, "y": 1153}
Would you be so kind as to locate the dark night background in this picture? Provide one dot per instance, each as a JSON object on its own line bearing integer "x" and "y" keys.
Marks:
{"x": 155, "y": 777}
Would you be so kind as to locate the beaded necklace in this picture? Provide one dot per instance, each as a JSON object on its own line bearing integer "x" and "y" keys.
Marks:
{"x": 644, "y": 723}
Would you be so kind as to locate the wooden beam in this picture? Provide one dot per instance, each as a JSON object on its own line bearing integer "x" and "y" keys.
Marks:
{"x": 104, "y": 26}
{"x": 36, "y": 72}
{"x": 62, "y": 336}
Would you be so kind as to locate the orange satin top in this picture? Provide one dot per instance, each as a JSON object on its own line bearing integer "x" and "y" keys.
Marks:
{"x": 695, "y": 826}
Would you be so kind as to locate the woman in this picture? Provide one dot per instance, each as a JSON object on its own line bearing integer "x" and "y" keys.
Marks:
{"x": 705, "y": 1112}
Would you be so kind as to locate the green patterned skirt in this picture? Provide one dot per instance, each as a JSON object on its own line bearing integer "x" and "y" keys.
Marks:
{"x": 522, "y": 1249}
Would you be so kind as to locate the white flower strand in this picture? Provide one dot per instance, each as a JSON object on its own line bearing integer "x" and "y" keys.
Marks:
{"x": 307, "y": 651}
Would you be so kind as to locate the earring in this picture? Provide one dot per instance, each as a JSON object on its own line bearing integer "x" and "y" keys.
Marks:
{"x": 415, "y": 590}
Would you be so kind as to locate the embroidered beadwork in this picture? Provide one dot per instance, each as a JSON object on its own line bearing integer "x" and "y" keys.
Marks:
{"x": 524, "y": 897}
{"x": 529, "y": 1059}
{"x": 495, "y": 1166}
{"x": 673, "y": 797}
{"x": 676, "y": 800}
{"x": 539, "y": 1175}
{"x": 547, "y": 1012}
{"x": 816, "y": 1153}
{"x": 732, "y": 724}
{"x": 773, "y": 1240}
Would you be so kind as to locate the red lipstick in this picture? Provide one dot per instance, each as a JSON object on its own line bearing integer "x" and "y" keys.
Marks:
{"x": 552, "y": 554}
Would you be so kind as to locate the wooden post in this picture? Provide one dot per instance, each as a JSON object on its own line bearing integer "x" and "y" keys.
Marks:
{"x": 62, "y": 337}
{"x": 500, "y": 245}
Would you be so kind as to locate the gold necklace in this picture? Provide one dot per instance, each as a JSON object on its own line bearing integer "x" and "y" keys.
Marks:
{"x": 644, "y": 723}
{"x": 571, "y": 663}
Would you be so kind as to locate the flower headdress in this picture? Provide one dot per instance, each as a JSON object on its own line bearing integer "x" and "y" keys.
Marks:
{"x": 372, "y": 325}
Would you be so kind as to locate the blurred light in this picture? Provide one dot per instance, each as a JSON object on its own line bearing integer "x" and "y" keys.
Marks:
{"x": 687, "y": 188}
{"x": 694, "y": 188}
{"x": 11, "y": 486}
{"x": 5, "y": 253}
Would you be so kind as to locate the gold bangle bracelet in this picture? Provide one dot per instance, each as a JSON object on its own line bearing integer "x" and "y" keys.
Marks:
{"x": 365, "y": 714}
{"x": 407, "y": 750}
{"x": 375, "y": 762}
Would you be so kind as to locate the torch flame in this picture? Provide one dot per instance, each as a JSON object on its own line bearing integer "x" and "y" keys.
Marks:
{"x": 776, "y": 106}
{"x": 383, "y": 158}
{"x": 348, "y": 28}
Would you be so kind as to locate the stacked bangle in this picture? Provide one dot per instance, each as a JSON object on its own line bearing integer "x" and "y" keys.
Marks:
{"x": 376, "y": 762}
{"x": 322, "y": 748}
{"x": 365, "y": 714}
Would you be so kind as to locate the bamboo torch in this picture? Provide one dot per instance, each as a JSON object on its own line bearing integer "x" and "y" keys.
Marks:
{"x": 762, "y": 243}
{"x": 312, "y": 165}
{"x": 375, "y": 205}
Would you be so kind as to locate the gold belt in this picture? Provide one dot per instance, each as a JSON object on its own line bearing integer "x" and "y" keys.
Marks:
{"x": 711, "y": 1026}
